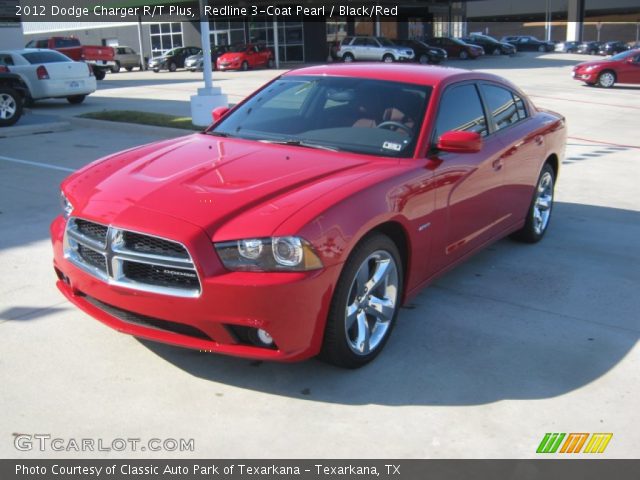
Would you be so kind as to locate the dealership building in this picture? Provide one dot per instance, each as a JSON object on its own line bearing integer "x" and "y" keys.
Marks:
{"x": 299, "y": 39}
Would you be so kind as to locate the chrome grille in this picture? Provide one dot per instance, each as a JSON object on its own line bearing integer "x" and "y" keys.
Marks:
{"x": 131, "y": 259}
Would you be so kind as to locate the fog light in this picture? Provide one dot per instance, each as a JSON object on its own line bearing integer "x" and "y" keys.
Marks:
{"x": 264, "y": 337}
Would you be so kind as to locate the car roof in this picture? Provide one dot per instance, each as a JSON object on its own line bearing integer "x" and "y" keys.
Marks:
{"x": 408, "y": 73}
{"x": 22, "y": 51}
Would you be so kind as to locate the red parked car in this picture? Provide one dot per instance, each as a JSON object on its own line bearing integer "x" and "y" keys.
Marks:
{"x": 621, "y": 68}
{"x": 243, "y": 57}
{"x": 302, "y": 219}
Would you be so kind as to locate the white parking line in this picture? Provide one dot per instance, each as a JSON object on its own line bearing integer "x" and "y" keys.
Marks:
{"x": 36, "y": 164}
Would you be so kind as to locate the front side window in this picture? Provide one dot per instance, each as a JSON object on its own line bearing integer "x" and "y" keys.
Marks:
{"x": 461, "y": 110}
{"x": 337, "y": 113}
{"x": 502, "y": 106}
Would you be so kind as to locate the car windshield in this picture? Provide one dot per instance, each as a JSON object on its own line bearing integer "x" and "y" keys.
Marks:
{"x": 238, "y": 48}
{"x": 623, "y": 55}
{"x": 45, "y": 56}
{"x": 336, "y": 113}
{"x": 175, "y": 51}
{"x": 385, "y": 42}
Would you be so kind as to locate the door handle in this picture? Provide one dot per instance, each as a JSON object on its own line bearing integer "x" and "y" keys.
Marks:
{"x": 539, "y": 139}
{"x": 497, "y": 164}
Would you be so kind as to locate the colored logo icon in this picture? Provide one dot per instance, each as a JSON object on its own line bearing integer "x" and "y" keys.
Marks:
{"x": 574, "y": 443}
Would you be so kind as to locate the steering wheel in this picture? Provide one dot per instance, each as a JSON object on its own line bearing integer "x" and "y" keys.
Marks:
{"x": 401, "y": 126}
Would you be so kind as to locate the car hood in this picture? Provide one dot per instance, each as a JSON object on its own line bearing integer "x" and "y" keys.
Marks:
{"x": 208, "y": 181}
{"x": 229, "y": 55}
{"x": 595, "y": 63}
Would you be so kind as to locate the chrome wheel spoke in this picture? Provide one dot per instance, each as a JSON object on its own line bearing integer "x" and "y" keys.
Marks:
{"x": 381, "y": 308}
{"x": 379, "y": 275}
{"x": 363, "y": 338}
{"x": 362, "y": 278}
{"x": 352, "y": 313}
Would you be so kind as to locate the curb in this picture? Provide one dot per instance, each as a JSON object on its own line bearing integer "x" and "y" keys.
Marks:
{"x": 47, "y": 127}
{"x": 130, "y": 127}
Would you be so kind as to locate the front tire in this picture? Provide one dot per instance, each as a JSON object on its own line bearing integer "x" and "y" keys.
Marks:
{"x": 540, "y": 210}
{"x": 116, "y": 68}
{"x": 10, "y": 106}
{"x": 245, "y": 66}
{"x": 424, "y": 59}
{"x": 606, "y": 79}
{"x": 76, "y": 99}
{"x": 365, "y": 304}
{"x": 542, "y": 49}
{"x": 173, "y": 67}
{"x": 463, "y": 55}
{"x": 348, "y": 58}
{"x": 388, "y": 58}
{"x": 497, "y": 51}
{"x": 99, "y": 73}
{"x": 271, "y": 63}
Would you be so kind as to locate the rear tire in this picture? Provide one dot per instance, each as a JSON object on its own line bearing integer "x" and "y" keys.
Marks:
{"x": 463, "y": 55}
{"x": 10, "y": 106}
{"x": 424, "y": 59}
{"x": 497, "y": 51}
{"x": 542, "y": 49}
{"x": 76, "y": 99}
{"x": 348, "y": 58}
{"x": 128, "y": 69}
{"x": 539, "y": 214}
{"x": 271, "y": 63}
{"x": 173, "y": 67}
{"x": 116, "y": 68}
{"x": 388, "y": 58}
{"x": 365, "y": 303}
{"x": 245, "y": 66}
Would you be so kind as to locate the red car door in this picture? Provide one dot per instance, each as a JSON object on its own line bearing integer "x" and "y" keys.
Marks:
{"x": 467, "y": 183}
{"x": 523, "y": 148}
{"x": 253, "y": 57}
{"x": 628, "y": 69}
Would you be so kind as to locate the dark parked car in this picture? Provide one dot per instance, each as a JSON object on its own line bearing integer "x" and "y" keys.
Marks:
{"x": 424, "y": 53}
{"x": 590, "y": 48}
{"x": 491, "y": 45}
{"x": 12, "y": 94}
{"x": 527, "y": 43}
{"x": 456, "y": 48}
{"x": 611, "y": 48}
{"x": 567, "y": 47}
{"x": 173, "y": 59}
{"x": 195, "y": 62}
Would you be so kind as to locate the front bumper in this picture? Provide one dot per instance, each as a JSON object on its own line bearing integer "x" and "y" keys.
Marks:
{"x": 291, "y": 307}
{"x": 588, "y": 77}
{"x": 236, "y": 65}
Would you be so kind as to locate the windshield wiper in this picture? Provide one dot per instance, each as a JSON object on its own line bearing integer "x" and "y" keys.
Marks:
{"x": 219, "y": 134}
{"x": 300, "y": 143}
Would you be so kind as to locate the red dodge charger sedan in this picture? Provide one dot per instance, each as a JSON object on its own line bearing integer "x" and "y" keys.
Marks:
{"x": 300, "y": 220}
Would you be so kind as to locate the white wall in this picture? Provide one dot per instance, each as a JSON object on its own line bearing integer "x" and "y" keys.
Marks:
{"x": 11, "y": 37}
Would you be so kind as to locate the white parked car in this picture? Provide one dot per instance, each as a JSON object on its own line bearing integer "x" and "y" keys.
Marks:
{"x": 50, "y": 74}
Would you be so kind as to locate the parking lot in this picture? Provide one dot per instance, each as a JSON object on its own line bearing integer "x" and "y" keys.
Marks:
{"x": 519, "y": 341}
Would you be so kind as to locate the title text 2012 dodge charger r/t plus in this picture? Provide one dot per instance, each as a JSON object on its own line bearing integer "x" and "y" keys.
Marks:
{"x": 299, "y": 222}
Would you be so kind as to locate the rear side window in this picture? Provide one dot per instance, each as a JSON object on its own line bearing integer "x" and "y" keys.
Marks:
{"x": 5, "y": 59}
{"x": 347, "y": 40}
{"x": 502, "y": 106}
{"x": 66, "y": 42}
{"x": 46, "y": 56}
{"x": 461, "y": 110}
{"x": 359, "y": 42}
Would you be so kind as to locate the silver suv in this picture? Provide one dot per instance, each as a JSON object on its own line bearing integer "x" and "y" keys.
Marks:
{"x": 373, "y": 49}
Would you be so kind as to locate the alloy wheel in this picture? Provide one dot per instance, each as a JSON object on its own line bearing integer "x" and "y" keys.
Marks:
{"x": 543, "y": 203}
{"x": 371, "y": 303}
{"x": 607, "y": 79}
{"x": 8, "y": 106}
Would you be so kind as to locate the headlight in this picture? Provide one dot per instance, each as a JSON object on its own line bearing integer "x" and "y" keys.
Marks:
{"x": 67, "y": 208}
{"x": 268, "y": 254}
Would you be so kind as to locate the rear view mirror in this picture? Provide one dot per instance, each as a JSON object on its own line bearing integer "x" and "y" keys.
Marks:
{"x": 460, "y": 142}
{"x": 218, "y": 113}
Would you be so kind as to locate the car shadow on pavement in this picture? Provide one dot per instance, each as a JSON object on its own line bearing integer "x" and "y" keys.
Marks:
{"x": 528, "y": 60}
{"x": 514, "y": 322}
